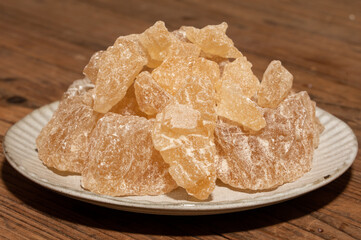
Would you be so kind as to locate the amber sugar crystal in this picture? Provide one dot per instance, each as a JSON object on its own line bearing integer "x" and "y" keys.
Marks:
{"x": 183, "y": 133}
{"x": 238, "y": 85}
{"x": 241, "y": 110}
{"x": 209, "y": 69}
{"x": 122, "y": 159}
{"x": 279, "y": 153}
{"x": 199, "y": 94}
{"x": 173, "y": 73}
{"x": 118, "y": 67}
{"x": 192, "y": 165}
{"x": 212, "y": 39}
{"x": 238, "y": 76}
{"x": 157, "y": 39}
{"x": 176, "y": 71}
{"x": 275, "y": 86}
{"x": 92, "y": 68}
{"x": 160, "y": 44}
{"x": 62, "y": 144}
{"x": 151, "y": 98}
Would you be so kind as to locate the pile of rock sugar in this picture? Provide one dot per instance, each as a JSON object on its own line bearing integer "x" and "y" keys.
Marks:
{"x": 161, "y": 110}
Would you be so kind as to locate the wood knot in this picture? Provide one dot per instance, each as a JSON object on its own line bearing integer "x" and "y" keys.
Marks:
{"x": 16, "y": 99}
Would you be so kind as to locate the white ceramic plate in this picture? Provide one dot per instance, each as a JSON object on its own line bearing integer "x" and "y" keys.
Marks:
{"x": 335, "y": 154}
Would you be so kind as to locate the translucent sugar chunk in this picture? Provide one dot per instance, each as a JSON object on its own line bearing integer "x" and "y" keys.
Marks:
{"x": 161, "y": 44}
{"x": 173, "y": 73}
{"x": 199, "y": 93}
{"x": 151, "y": 97}
{"x": 118, "y": 67}
{"x": 279, "y": 153}
{"x": 206, "y": 68}
{"x": 183, "y": 133}
{"x": 62, "y": 144}
{"x": 92, "y": 68}
{"x": 156, "y": 40}
{"x": 123, "y": 161}
{"x": 238, "y": 76}
{"x": 275, "y": 86}
{"x": 192, "y": 165}
{"x": 212, "y": 39}
{"x": 242, "y": 110}
{"x": 181, "y": 118}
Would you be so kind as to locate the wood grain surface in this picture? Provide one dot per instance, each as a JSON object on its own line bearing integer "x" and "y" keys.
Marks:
{"x": 45, "y": 44}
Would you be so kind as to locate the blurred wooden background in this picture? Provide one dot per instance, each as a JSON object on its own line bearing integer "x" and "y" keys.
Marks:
{"x": 45, "y": 44}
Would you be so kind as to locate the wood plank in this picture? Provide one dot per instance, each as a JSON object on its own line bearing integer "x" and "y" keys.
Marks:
{"x": 44, "y": 46}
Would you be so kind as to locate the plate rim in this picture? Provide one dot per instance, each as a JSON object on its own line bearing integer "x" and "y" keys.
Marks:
{"x": 182, "y": 208}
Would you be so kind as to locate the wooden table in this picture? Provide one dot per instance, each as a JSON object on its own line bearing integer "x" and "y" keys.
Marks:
{"x": 45, "y": 44}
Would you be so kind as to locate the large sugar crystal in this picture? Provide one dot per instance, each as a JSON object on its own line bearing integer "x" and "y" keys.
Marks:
{"x": 62, "y": 144}
{"x": 118, "y": 67}
{"x": 161, "y": 44}
{"x": 157, "y": 40}
{"x": 238, "y": 76}
{"x": 275, "y": 86}
{"x": 192, "y": 164}
{"x": 173, "y": 73}
{"x": 176, "y": 71}
{"x": 122, "y": 159}
{"x": 239, "y": 84}
{"x": 212, "y": 39}
{"x": 151, "y": 97}
{"x": 279, "y": 153}
{"x": 209, "y": 69}
{"x": 183, "y": 133}
{"x": 241, "y": 110}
